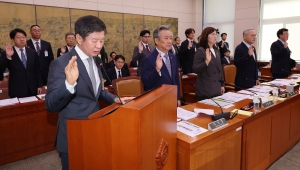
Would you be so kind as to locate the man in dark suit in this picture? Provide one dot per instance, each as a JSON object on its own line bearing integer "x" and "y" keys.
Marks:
{"x": 160, "y": 66}
{"x": 111, "y": 64}
{"x": 2, "y": 69}
{"x": 24, "y": 70}
{"x": 176, "y": 51}
{"x": 187, "y": 51}
{"x": 104, "y": 59}
{"x": 281, "y": 55}
{"x": 75, "y": 81}
{"x": 118, "y": 71}
{"x": 43, "y": 49}
{"x": 223, "y": 46}
{"x": 70, "y": 40}
{"x": 142, "y": 50}
{"x": 245, "y": 60}
{"x": 226, "y": 59}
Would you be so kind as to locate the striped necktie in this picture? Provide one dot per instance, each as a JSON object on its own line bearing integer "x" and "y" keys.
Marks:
{"x": 168, "y": 64}
{"x": 23, "y": 58}
{"x": 92, "y": 74}
{"x": 38, "y": 50}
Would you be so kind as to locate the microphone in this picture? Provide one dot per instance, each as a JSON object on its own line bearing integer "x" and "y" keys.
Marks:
{"x": 99, "y": 62}
{"x": 225, "y": 115}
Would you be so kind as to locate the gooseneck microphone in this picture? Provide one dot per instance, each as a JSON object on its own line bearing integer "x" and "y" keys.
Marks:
{"x": 99, "y": 62}
{"x": 221, "y": 115}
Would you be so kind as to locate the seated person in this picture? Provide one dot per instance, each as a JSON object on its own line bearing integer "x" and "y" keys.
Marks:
{"x": 118, "y": 71}
{"x": 226, "y": 59}
{"x": 133, "y": 64}
{"x": 111, "y": 64}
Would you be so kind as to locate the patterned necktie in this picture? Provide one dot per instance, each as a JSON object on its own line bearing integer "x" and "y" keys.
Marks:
{"x": 23, "y": 57}
{"x": 119, "y": 74}
{"x": 168, "y": 64}
{"x": 92, "y": 74}
{"x": 38, "y": 50}
{"x": 147, "y": 47}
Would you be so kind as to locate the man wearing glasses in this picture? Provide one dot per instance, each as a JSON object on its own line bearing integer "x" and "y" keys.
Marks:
{"x": 142, "y": 50}
{"x": 43, "y": 49}
{"x": 70, "y": 40}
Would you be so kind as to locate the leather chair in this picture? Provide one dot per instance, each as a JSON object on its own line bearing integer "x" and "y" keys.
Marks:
{"x": 4, "y": 93}
{"x": 229, "y": 72}
{"x": 133, "y": 71}
{"x": 129, "y": 86}
{"x": 3, "y": 84}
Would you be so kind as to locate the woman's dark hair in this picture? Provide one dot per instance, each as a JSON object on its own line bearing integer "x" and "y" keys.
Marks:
{"x": 204, "y": 37}
{"x": 112, "y": 53}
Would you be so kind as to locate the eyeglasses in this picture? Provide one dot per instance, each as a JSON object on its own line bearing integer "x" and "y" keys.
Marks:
{"x": 20, "y": 37}
{"x": 146, "y": 36}
{"x": 70, "y": 38}
{"x": 36, "y": 30}
{"x": 254, "y": 35}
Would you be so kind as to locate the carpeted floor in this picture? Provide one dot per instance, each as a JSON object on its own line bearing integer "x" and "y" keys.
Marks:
{"x": 51, "y": 161}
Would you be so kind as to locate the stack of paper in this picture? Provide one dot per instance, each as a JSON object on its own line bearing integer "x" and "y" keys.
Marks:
{"x": 28, "y": 99}
{"x": 6, "y": 102}
{"x": 185, "y": 114}
{"x": 190, "y": 129}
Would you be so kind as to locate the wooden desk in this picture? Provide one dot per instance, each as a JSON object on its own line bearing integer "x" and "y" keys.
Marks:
{"x": 26, "y": 130}
{"x": 220, "y": 149}
{"x": 266, "y": 71}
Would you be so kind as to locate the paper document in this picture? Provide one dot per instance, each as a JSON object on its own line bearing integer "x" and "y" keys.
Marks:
{"x": 243, "y": 112}
{"x": 6, "y": 102}
{"x": 190, "y": 129}
{"x": 28, "y": 99}
{"x": 205, "y": 111}
{"x": 185, "y": 114}
{"x": 41, "y": 96}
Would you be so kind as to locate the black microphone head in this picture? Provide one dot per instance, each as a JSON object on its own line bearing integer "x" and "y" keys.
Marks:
{"x": 192, "y": 84}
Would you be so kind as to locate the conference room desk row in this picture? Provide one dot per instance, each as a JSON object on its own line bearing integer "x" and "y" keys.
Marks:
{"x": 266, "y": 71}
{"x": 246, "y": 143}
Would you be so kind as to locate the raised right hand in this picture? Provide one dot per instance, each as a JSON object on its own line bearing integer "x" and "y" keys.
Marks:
{"x": 251, "y": 50}
{"x": 9, "y": 50}
{"x": 62, "y": 49}
{"x": 208, "y": 56}
{"x": 159, "y": 62}
{"x": 141, "y": 48}
{"x": 285, "y": 44}
{"x": 71, "y": 71}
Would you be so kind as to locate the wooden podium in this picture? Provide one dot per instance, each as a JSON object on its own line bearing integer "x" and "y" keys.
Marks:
{"x": 141, "y": 135}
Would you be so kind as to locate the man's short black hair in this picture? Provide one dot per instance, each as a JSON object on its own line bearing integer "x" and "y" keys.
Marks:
{"x": 223, "y": 34}
{"x": 188, "y": 31}
{"x": 119, "y": 56}
{"x": 176, "y": 38}
{"x": 13, "y": 32}
{"x": 226, "y": 51}
{"x": 69, "y": 33}
{"x": 34, "y": 26}
{"x": 88, "y": 24}
{"x": 144, "y": 32}
{"x": 112, "y": 53}
{"x": 280, "y": 31}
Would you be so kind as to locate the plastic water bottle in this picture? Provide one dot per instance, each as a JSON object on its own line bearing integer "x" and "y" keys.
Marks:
{"x": 275, "y": 94}
{"x": 256, "y": 103}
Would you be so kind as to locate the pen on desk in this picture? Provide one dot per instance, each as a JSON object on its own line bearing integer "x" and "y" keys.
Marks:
{"x": 234, "y": 114}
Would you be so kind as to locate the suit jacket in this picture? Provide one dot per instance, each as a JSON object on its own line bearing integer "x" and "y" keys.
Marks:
{"x": 177, "y": 54}
{"x": 208, "y": 76}
{"x": 224, "y": 61}
{"x": 222, "y": 50}
{"x": 113, "y": 75}
{"x": 111, "y": 65}
{"x": 59, "y": 51}
{"x": 151, "y": 78}
{"x": 280, "y": 58}
{"x": 78, "y": 105}
{"x": 187, "y": 56}
{"x": 22, "y": 79}
{"x": 44, "y": 60}
{"x": 104, "y": 58}
{"x": 133, "y": 64}
{"x": 2, "y": 69}
{"x": 246, "y": 67}
{"x": 137, "y": 56}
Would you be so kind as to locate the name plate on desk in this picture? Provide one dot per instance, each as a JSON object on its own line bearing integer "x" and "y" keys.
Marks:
{"x": 215, "y": 125}
{"x": 291, "y": 94}
{"x": 268, "y": 104}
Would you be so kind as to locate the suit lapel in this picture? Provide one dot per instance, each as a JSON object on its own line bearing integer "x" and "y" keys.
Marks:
{"x": 215, "y": 59}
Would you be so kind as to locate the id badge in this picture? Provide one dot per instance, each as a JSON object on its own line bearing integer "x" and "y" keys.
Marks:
{"x": 195, "y": 49}
{"x": 46, "y": 53}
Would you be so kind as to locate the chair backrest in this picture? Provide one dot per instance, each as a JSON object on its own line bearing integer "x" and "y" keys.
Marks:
{"x": 3, "y": 84}
{"x": 128, "y": 86}
{"x": 133, "y": 71}
{"x": 229, "y": 72}
{"x": 180, "y": 83}
{"x": 4, "y": 93}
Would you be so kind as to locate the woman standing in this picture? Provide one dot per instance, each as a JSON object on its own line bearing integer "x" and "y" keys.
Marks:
{"x": 207, "y": 65}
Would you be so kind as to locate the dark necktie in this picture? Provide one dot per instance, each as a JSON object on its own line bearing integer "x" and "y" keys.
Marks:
{"x": 119, "y": 74}
{"x": 147, "y": 47}
{"x": 38, "y": 50}
{"x": 92, "y": 75}
{"x": 168, "y": 64}
{"x": 23, "y": 58}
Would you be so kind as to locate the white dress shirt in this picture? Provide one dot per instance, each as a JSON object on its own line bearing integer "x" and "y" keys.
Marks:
{"x": 34, "y": 43}
{"x": 19, "y": 52}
